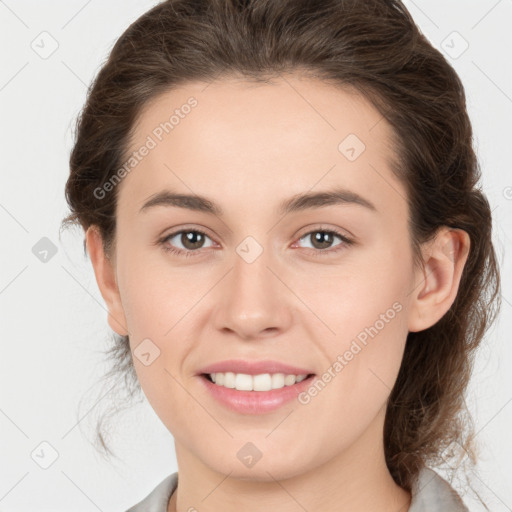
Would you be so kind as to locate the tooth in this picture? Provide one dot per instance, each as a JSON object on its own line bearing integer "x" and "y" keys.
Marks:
{"x": 278, "y": 380}
{"x": 289, "y": 380}
{"x": 243, "y": 382}
{"x": 229, "y": 380}
{"x": 262, "y": 382}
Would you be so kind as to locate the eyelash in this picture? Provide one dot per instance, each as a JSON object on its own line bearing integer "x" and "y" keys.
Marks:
{"x": 316, "y": 252}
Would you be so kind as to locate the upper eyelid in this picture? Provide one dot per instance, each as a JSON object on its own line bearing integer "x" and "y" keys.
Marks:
{"x": 304, "y": 232}
{"x": 335, "y": 231}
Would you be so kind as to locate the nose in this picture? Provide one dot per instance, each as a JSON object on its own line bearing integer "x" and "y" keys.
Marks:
{"x": 252, "y": 299}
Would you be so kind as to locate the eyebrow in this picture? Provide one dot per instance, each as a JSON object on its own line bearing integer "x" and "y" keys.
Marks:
{"x": 296, "y": 203}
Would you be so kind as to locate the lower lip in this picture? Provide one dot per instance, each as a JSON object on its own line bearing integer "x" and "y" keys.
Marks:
{"x": 256, "y": 402}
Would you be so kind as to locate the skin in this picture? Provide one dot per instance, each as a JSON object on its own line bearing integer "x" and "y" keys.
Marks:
{"x": 248, "y": 147}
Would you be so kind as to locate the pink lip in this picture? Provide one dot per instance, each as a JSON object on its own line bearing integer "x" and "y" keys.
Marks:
{"x": 255, "y": 402}
{"x": 253, "y": 367}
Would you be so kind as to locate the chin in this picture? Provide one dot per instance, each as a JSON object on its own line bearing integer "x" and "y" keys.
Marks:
{"x": 266, "y": 469}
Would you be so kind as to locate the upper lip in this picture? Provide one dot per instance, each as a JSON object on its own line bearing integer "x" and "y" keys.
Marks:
{"x": 253, "y": 367}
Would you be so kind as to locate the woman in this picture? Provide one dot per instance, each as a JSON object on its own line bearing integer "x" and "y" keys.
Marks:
{"x": 281, "y": 207}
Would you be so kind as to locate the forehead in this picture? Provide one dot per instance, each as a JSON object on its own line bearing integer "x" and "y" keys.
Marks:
{"x": 253, "y": 142}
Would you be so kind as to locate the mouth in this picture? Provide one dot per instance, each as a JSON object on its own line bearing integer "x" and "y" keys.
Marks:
{"x": 255, "y": 394}
{"x": 254, "y": 386}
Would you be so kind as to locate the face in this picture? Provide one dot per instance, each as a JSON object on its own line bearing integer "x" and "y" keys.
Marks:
{"x": 324, "y": 285}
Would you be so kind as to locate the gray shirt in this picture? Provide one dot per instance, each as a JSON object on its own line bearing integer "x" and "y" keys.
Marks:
{"x": 430, "y": 493}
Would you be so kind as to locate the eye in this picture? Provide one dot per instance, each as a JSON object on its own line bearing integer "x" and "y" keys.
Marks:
{"x": 191, "y": 240}
{"x": 322, "y": 239}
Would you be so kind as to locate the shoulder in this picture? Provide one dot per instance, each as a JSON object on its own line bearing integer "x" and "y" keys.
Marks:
{"x": 158, "y": 499}
{"x": 430, "y": 492}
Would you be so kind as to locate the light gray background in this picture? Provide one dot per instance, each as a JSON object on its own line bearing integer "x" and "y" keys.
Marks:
{"x": 53, "y": 319}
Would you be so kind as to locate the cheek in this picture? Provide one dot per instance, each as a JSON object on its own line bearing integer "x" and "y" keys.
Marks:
{"x": 347, "y": 299}
{"x": 154, "y": 297}
{"x": 362, "y": 364}
{"x": 160, "y": 305}
{"x": 360, "y": 322}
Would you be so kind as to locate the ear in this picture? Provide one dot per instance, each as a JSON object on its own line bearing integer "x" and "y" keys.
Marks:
{"x": 438, "y": 280}
{"x": 106, "y": 279}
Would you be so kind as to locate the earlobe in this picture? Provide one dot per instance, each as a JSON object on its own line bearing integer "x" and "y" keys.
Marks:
{"x": 438, "y": 281}
{"x": 105, "y": 277}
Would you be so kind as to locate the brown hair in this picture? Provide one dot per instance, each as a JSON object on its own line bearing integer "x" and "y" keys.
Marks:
{"x": 375, "y": 48}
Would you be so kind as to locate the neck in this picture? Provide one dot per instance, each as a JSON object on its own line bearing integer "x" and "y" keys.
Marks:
{"x": 356, "y": 480}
